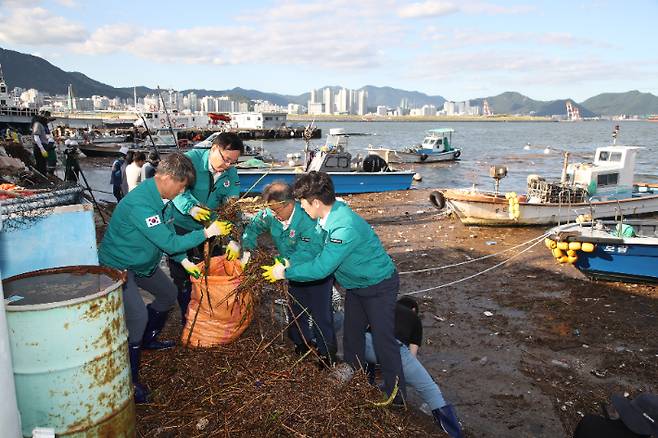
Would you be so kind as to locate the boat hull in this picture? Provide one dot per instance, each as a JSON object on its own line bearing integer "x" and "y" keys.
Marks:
{"x": 474, "y": 208}
{"x": 395, "y": 156}
{"x": 633, "y": 259}
{"x": 344, "y": 182}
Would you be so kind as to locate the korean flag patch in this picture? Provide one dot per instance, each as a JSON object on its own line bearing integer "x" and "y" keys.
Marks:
{"x": 292, "y": 234}
{"x": 153, "y": 221}
{"x": 227, "y": 183}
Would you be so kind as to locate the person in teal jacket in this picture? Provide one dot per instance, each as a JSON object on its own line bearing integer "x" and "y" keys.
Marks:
{"x": 216, "y": 182}
{"x": 298, "y": 239}
{"x": 355, "y": 255}
{"x": 140, "y": 231}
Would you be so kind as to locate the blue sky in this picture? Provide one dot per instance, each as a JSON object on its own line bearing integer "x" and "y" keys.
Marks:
{"x": 458, "y": 49}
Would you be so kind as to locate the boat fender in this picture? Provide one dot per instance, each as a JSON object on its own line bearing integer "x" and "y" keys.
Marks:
{"x": 563, "y": 259}
{"x": 423, "y": 157}
{"x": 550, "y": 244}
{"x": 438, "y": 200}
{"x": 457, "y": 154}
{"x": 574, "y": 246}
{"x": 514, "y": 210}
{"x": 563, "y": 245}
{"x": 557, "y": 253}
{"x": 572, "y": 260}
{"x": 587, "y": 247}
{"x": 571, "y": 253}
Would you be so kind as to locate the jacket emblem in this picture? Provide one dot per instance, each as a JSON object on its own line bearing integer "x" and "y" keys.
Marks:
{"x": 153, "y": 221}
{"x": 292, "y": 233}
{"x": 227, "y": 183}
{"x": 332, "y": 240}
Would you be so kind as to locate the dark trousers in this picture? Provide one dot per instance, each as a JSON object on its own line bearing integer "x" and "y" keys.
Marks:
{"x": 594, "y": 426}
{"x": 313, "y": 299}
{"x": 117, "y": 192}
{"x": 374, "y": 306}
{"x": 160, "y": 286}
{"x": 41, "y": 162}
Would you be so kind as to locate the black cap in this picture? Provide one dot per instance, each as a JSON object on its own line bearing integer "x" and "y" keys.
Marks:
{"x": 640, "y": 415}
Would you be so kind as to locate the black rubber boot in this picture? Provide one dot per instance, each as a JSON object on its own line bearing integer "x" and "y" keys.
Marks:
{"x": 327, "y": 360}
{"x": 153, "y": 328}
{"x": 301, "y": 349}
{"x": 134, "y": 353}
{"x": 446, "y": 417}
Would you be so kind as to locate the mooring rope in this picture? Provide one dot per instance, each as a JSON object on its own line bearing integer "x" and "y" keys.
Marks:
{"x": 491, "y": 268}
{"x": 438, "y": 268}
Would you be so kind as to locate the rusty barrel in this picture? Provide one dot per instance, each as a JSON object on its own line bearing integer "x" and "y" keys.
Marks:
{"x": 69, "y": 348}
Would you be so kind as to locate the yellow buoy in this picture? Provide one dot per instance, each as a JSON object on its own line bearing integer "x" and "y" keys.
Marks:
{"x": 571, "y": 252}
{"x": 572, "y": 260}
{"x": 563, "y": 245}
{"x": 557, "y": 253}
{"x": 574, "y": 246}
{"x": 587, "y": 247}
{"x": 550, "y": 244}
{"x": 563, "y": 259}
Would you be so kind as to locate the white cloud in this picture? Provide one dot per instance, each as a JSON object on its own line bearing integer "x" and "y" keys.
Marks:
{"x": 36, "y": 26}
{"x": 430, "y": 8}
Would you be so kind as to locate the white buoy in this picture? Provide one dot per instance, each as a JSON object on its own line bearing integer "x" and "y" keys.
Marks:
{"x": 526, "y": 147}
{"x": 417, "y": 177}
{"x": 547, "y": 150}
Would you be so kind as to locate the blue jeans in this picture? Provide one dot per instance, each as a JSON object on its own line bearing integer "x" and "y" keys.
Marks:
{"x": 415, "y": 375}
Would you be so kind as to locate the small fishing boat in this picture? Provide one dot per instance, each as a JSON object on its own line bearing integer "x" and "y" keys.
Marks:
{"x": 609, "y": 250}
{"x": 437, "y": 146}
{"x": 602, "y": 189}
{"x": 349, "y": 175}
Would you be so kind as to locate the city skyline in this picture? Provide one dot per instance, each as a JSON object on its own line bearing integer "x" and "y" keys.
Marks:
{"x": 461, "y": 50}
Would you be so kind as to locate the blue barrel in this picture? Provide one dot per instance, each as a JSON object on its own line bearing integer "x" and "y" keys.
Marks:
{"x": 69, "y": 348}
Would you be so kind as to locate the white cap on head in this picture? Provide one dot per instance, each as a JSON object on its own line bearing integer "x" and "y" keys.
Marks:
{"x": 124, "y": 150}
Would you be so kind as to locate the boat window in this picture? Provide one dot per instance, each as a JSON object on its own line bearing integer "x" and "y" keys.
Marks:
{"x": 615, "y": 156}
{"x": 603, "y": 156}
{"x": 607, "y": 179}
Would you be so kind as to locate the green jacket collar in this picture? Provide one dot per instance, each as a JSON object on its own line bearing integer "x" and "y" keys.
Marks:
{"x": 332, "y": 215}
{"x": 152, "y": 191}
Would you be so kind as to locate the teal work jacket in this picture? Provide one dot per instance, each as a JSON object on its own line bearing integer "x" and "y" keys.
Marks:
{"x": 205, "y": 191}
{"x": 352, "y": 251}
{"x": 301, "y": 241}
{"x": 141, "y": 229}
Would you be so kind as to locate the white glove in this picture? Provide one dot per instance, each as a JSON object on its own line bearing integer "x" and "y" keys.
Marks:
{"x": 218, "y": 228}
{"x": 232, "y": 250}
{"x": 245, "y": 258}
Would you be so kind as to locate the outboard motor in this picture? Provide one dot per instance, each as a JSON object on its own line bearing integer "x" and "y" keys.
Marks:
{"x": 375, "y": 163}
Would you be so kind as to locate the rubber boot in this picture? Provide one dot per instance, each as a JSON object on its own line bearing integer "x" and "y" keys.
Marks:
{"x": 328, "y": 360}
{"x": 153, "y": 328}
{"x": 446, "y": 417}
{"x": 134, "y": 353}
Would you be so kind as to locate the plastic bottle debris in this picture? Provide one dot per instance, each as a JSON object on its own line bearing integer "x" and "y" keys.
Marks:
{"x": 487, "y": 313}
{"x": 560, "y": 364}
{"x": 491, "y": 242}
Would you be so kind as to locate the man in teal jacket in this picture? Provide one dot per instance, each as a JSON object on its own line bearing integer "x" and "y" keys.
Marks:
{"x": 298, "y": 239}
{"x": 139, "y": 232}
{"x": 216, "y": 182}
{"x": 354, "y": 254}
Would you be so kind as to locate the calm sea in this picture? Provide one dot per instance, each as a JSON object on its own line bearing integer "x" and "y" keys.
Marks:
{"x": 483, "y": 144}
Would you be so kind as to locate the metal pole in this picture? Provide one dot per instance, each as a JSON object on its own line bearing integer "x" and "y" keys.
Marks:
{"x": 164, "y": 105}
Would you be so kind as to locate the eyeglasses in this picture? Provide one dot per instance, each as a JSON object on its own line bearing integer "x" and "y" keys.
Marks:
{"x": 229, "y": 162}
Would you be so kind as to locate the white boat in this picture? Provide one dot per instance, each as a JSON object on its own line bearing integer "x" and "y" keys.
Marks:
{"x": 602, "y": 189}
{"x": 250, "y": 151}
{"x": 437, "y": 146}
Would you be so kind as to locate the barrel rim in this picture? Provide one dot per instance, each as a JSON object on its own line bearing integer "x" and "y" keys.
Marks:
{"x": 115, "y": 274}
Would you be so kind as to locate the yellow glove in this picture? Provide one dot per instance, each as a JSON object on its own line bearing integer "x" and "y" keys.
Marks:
{"x": 199, "y": 213}
{"x": 218, "y": 228}
{"x": 232, "y": 250}
{"x": 275, "y": 272}
{"x": 191, "y": 268}
{"x": 44, "y": 153}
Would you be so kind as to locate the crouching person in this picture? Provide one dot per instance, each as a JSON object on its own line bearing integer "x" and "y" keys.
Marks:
{"x": 138, "y": 234}
{"x": 298, "y": 239}
{"x": 355, "y": 255}
{"x": 409, "y": 333}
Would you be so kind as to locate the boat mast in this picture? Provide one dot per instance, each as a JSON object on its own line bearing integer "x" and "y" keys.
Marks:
{"x": 565, "y": 163}
{"x": 171, "y": 130}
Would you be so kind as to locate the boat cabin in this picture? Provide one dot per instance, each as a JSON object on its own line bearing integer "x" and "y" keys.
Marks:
{"x": 437, "y": 140}
{"x": 336, "y": 140}
{"x": 611, "y": 172}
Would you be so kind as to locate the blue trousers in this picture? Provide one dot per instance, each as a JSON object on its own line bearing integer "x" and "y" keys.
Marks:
{"x": 415, "y": 375}
{"x": 313, "y": 299}
{"x": 374, "y": 306}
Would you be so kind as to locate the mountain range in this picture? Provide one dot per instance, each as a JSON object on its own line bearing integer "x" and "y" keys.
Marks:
{"x": 29, "y": 71}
